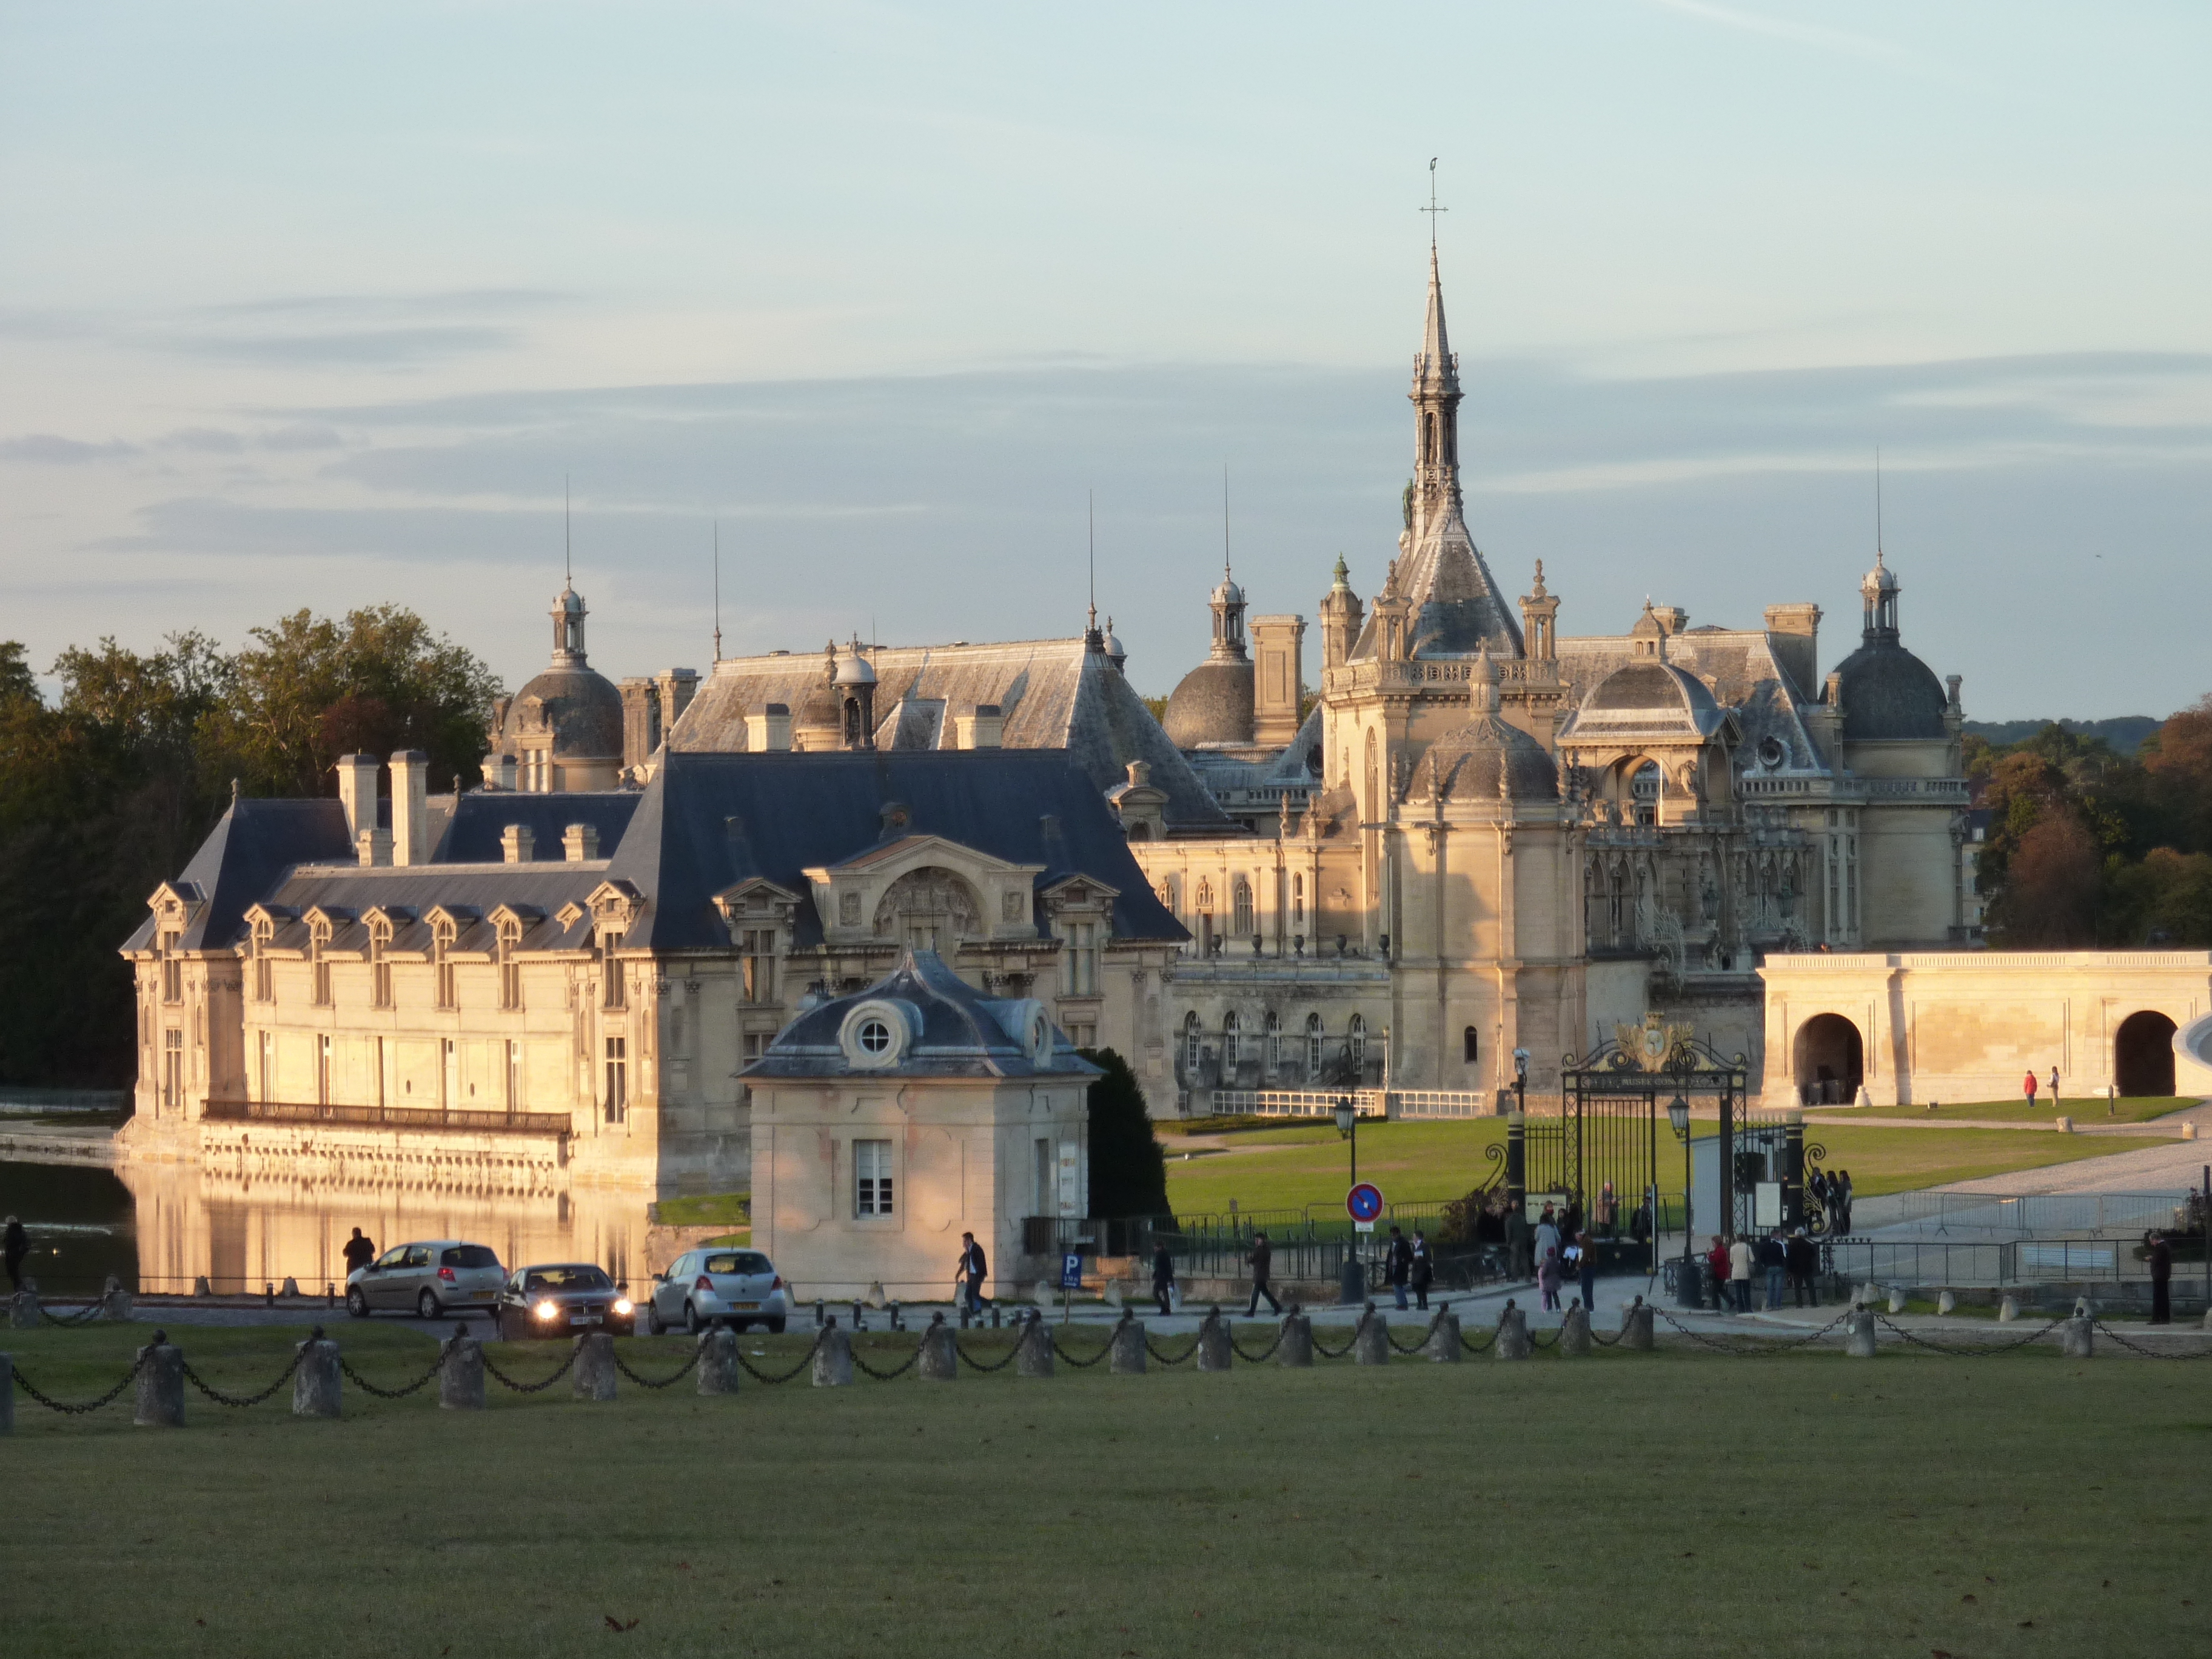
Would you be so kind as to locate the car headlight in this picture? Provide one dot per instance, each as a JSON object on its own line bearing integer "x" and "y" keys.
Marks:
{"x": 622, "y": 1305}
{"x": 548, "y": 1309}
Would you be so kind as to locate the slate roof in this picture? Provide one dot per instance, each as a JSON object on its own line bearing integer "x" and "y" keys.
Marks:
{"x": 473, "y": 835}
{"x": 242, "y": 859}
{"x": 1890, "y": 693}
{"x": 474, "y": 891}
{"x": 1736, "y": 665}
{"x": 962, "y": 1033}
{"x": 1051, "y": 694}
{"x": 1457, "y": 606}
{"x": 796, "y": 811}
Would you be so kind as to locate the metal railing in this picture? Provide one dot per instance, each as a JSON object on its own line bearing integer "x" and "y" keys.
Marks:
{"x": 1955, "y": 1263}
{"x": 2049, "y": 1214}
{"x": 389, "y": 1117}
{"x": 1295, "y": 1102}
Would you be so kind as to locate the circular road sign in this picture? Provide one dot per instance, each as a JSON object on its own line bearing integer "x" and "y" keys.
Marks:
{"x": 1364, "y": 1201}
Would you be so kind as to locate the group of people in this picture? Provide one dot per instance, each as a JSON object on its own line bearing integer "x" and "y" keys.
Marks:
{"x": 1832, "y": 1193}
{"x": 2028, "y": 1088}
{"x": 1790, "y": 1266}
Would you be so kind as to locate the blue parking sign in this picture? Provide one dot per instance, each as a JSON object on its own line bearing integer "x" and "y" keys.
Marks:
{"x": 1071, "y": 1271}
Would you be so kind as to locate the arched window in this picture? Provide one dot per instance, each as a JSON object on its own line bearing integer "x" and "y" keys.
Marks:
{"x": 510, "y": 970}
{"x": 1370, "y": 806}
{"x": 379, "y": 966}
{"x": 1273, "y": 1026}
{"x": 1299, "y": 899}
{"x": 1191, "y": 1049}
{"x": 1313, "y": 1048}
{"x": 1355, "y": 1041}
{"x": 1229, "y": 1025}
{"x": 1205, "y": 894}
{"x": 1241, "y": 902}
{"x": 442, "y": 933}
{"x": 1469, "y": 1046}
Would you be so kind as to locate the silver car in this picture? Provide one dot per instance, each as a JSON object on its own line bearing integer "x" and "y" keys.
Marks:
{"x": 736, "y": 1288}
{"x": 429, "y": 1279}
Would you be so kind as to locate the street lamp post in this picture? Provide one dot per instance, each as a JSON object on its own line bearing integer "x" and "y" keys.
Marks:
{"x": 1678, "y": 1116}
{"x": 1353, "y": 1280}
{"x": 1521, "y": 1081}
{"x": 1348, "y": 1125}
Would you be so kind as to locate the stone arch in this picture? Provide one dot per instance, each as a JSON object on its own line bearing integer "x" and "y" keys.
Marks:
{"x": 930, "y": 908}
{"x": 1829, "y": 1060}
{"x": 2142, "y": 1053}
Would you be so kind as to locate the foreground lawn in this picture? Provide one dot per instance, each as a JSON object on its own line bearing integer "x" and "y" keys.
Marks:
{"x": 1670, "y": 1504}
{"x": 1414, "y": 1162}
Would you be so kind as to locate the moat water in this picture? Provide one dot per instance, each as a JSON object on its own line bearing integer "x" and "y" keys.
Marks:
{"x": 160, "y": 1226}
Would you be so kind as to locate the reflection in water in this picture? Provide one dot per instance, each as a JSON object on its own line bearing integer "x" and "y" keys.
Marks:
{"x": 164, "y": 1224}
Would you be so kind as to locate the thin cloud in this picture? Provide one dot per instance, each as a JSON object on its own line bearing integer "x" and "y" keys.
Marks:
{"x": 51, "y": 449}
{"x": 1779, "y": 28}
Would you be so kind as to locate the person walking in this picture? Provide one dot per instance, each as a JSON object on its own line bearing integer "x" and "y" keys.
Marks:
{"x": 1774, "y": 1256}
{"x": 1398, "y": 1265}
{"x": 1163, "y": 1278}
{"x": 2161, "y": 1279}
{"x": 16, "y": 1247}
{"x": 1261, "y": 1258}
{"x": 1425, "y": 1271}
{"x": 1588, "y": 1263}
{"x": 2055, "y": 1101}
{"x": 1739, "y": 1273}
{"x": 1842, "y": 1193}
{"x": 2029, "y": 1088}
{"x": 1716, "y": 1267}
{"x": 1803, "y": 1261}
{"x": 1547, "y": 1280}
{"x": 359, "y": 1252}
{"x": 1548, "y": 1234}
{"x": 973, "y": 1267}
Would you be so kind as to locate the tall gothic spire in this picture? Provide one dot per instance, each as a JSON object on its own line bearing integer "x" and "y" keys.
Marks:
{"x": 1436, "y": 367}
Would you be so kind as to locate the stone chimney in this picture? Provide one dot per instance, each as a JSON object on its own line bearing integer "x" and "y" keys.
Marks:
{"x": 1672, "y": 618}
{"x": 1279, "y": 649}
{"x": 411, "y": 808}
{"x": 985, "y": 728}
{"x": 357, "y": 794}
{"x": 580, "y": 842}
{"x": 1794, "y": 635}
{"x": 499, "y": 773}
{"x": 517, "y": 843}
{"x": 768, "y": 728}
{"x": 374, "y": 849}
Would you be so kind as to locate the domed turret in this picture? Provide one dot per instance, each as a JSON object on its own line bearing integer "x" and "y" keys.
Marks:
{"x": 1213, "y": 702}
{"x": 1888, "y": 693}
{"x": 564, "y": 728}
{"x": 1488, "y": 759}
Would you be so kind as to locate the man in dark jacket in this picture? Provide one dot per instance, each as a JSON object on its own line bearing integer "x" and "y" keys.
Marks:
{"x": 17, "y": 1246}
{"x": 1774, "y": 1257}
{"x": 973, "y": 1270}
{"x": 1398, "y": 1264}
{"x": 2161, "y": 1278}
{"x": 359, "y": 1252}
{"x": 1425, "y": 1271}
{"x": 1163, "y": 1279}
{"x": 1803, "y": 1261}
{"x": 1518, "y": 1240}
{"x": 1261, "y": 1258}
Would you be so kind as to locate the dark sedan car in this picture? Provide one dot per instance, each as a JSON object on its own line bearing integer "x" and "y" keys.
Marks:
{"x": 563, "y": 1298}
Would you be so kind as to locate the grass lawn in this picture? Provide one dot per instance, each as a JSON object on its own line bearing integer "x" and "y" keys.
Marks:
{"x": 2089, "y": 1108}
{"x": 706, "y": 1210}
{"x": 1291, "y": 1167}
{"x": 1669, "y": 1504}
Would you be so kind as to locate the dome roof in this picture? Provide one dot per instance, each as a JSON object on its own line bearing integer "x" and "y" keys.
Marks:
{"x": 1651, "y": 696}
{"x": 1879, "y": 580}
{"x": 1487, "y": 759}
{"x": 816, "y": 711}
{"x": 854, "y": 670}
{"x": 581, "y": 705}
{"x": 1228, "y": 593}
{"x": 567, "y": 602}
{"x": 1213, "y": 704}
{"x": 1889, "y": 693}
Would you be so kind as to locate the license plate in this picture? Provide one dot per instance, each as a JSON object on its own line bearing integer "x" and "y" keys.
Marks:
{"x": 480, "y": 1296}
{"x": 585, "y": 1319}
{"x": 745, "y": 1305}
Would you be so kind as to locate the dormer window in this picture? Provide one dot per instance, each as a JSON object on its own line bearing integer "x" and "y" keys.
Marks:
{"x": 172, "y": 969}
{"x": 442, "y": 933}
{"x": 379, "y": 964}
{"x": 756, "y": 961}
{"x": 264, "y": 970}
{"x": 510, "y": 970}
{"x": 319, "y": 945}
{"x": 613, "y": 993}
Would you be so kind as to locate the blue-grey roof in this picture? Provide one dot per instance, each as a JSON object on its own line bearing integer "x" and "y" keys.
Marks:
{"x": 954, "y": 1030}
{"x": 243, "y": 859}
{"x": 709, "y": 820}
{"x": 473, "y": 835}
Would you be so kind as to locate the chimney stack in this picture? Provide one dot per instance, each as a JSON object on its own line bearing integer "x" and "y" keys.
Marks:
{"x": 1794, "y": 634}
{"x": 374, "y": 849}
{"x": 983, "y": 729}
{"x": 517, "y": 843}
{"x": 1279, "y": 645}
{"x": 410, "y": 808}
{"x": 580, "y": 842}
{"x": 768, "y": 728}
{"x": 357, "y": 794}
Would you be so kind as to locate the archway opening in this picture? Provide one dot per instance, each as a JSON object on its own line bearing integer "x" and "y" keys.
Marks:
{"x": 2142, "y": 1053}
{"x": 1830, "y": 1061}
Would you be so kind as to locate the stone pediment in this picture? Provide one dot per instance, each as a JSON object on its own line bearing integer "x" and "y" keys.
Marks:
{"x": 915, "y": 885}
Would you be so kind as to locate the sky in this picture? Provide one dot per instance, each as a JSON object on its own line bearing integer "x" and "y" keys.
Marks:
{"x": 309, "y": 304}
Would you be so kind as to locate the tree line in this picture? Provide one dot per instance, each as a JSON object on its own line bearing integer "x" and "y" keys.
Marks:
{"x": 2087, "y": 847}
{"x": 107, "y": 791}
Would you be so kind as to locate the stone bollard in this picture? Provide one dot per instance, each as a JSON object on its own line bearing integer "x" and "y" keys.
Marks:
{"x": 23, "y": 1310}
{"x": 2008, "y": 1310}
{"x": 1859, "y": 1335}
{"x": 1295, "y": 1346}
{"x": 1213, "y": 1351}
{"x": 200, "y": 1287}
{"x": 2065, "y": 1126}
{"x": 1513, "y": 1334}
{"x": 1947, "y": 1303}
{"x": 460, "y": 1372}
{"x": 1636, "y": 1325}
{"x": 593, "y": 1376}
{"x": 1127, "y": 1353}
{"x": 116, "y": 1302}
{"x": 1896, "y": 1300}
{"x": 2077, "y": 1337}
{"x": 1575, "y": 1333}
{"x": 161, "y": 1384}
{"x": 7, "y": 1394}
{"x": 1371, "y": 1341}
{"x": 940, "y": 1359}
{"x": 316, "y": 1385}
{"x": 289, "y": 1291}
{"x": 718, "y": 1361}
{"x": 1033, "y": 1351}
{"x": 1443, "y": 1344}
{"x": 833, "y": 1359}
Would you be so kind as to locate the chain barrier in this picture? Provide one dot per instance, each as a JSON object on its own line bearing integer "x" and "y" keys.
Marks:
{"x": 1483, "y": 1346}
{"x": 2203, "y": 1353}
{"x": 1000, "y": 1364}
{"x": 680, "y": 1373}
{"x": 1082, "y": 1364}
{"x": 1718, "y": 1347}
{"x": 759, "y": 1376}
{"x": 82, "y": 1317}
{"x": 1153, "y": 1349}
{"x": 1350, "y": 1342}
{"x": 1968, "y": 1350}
{"x": 1536, "y": 1338}
{"x": 1261, "y": 1358}
{"x": 241, "y": 1401}
{"x": 368, "y": 1387}
{"x": 899, "y": 1370}
{"x": 68, "y": 1410}
{"x": 506, "y": 1382}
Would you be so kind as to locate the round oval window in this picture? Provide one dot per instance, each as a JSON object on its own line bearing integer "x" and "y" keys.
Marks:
{"x": 875, "y": 1036}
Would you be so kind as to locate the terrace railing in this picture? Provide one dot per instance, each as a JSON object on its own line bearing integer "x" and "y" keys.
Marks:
{"x": 414, "y": 1118}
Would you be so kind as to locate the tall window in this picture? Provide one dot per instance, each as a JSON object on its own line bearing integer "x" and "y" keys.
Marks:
{"x": 1313, "y": 1048}
{"x": 510, "y": 970}
{"x": 173, "y": 1070}
{"x": 449, "y": 1073}
{"x": 1240, "y": 903}
{"x": 172, "y": 969}
{"x": 318, "y": 942}
{"x": 1191, "y": 1047}
{"x": 1469, "y": 1048}
{"x": 612, "y": 992}
{"x": 322, "y": 1071}
{"x": 513, "y": 1075}
{"x": 380, "y": 965}
{"x": 268, "y": 1066}
{"x": 1230, "y": 1026}
{"x": 1355, "y": 1041}
{"x": 757, "y": 962}
{"x": 1082, "y": 958}
{"x": 871, "y": 1177}
{"x": 617, "y": 1078}
{"x": 442, "y": 960}
{"x": 264, "y": 975}
{"x": 1275, "y": 1050}
{"x": 1299, "y": 899}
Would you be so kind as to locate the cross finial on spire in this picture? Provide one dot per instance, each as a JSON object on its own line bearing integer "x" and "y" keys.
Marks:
{"x": 1433, "y": 209}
